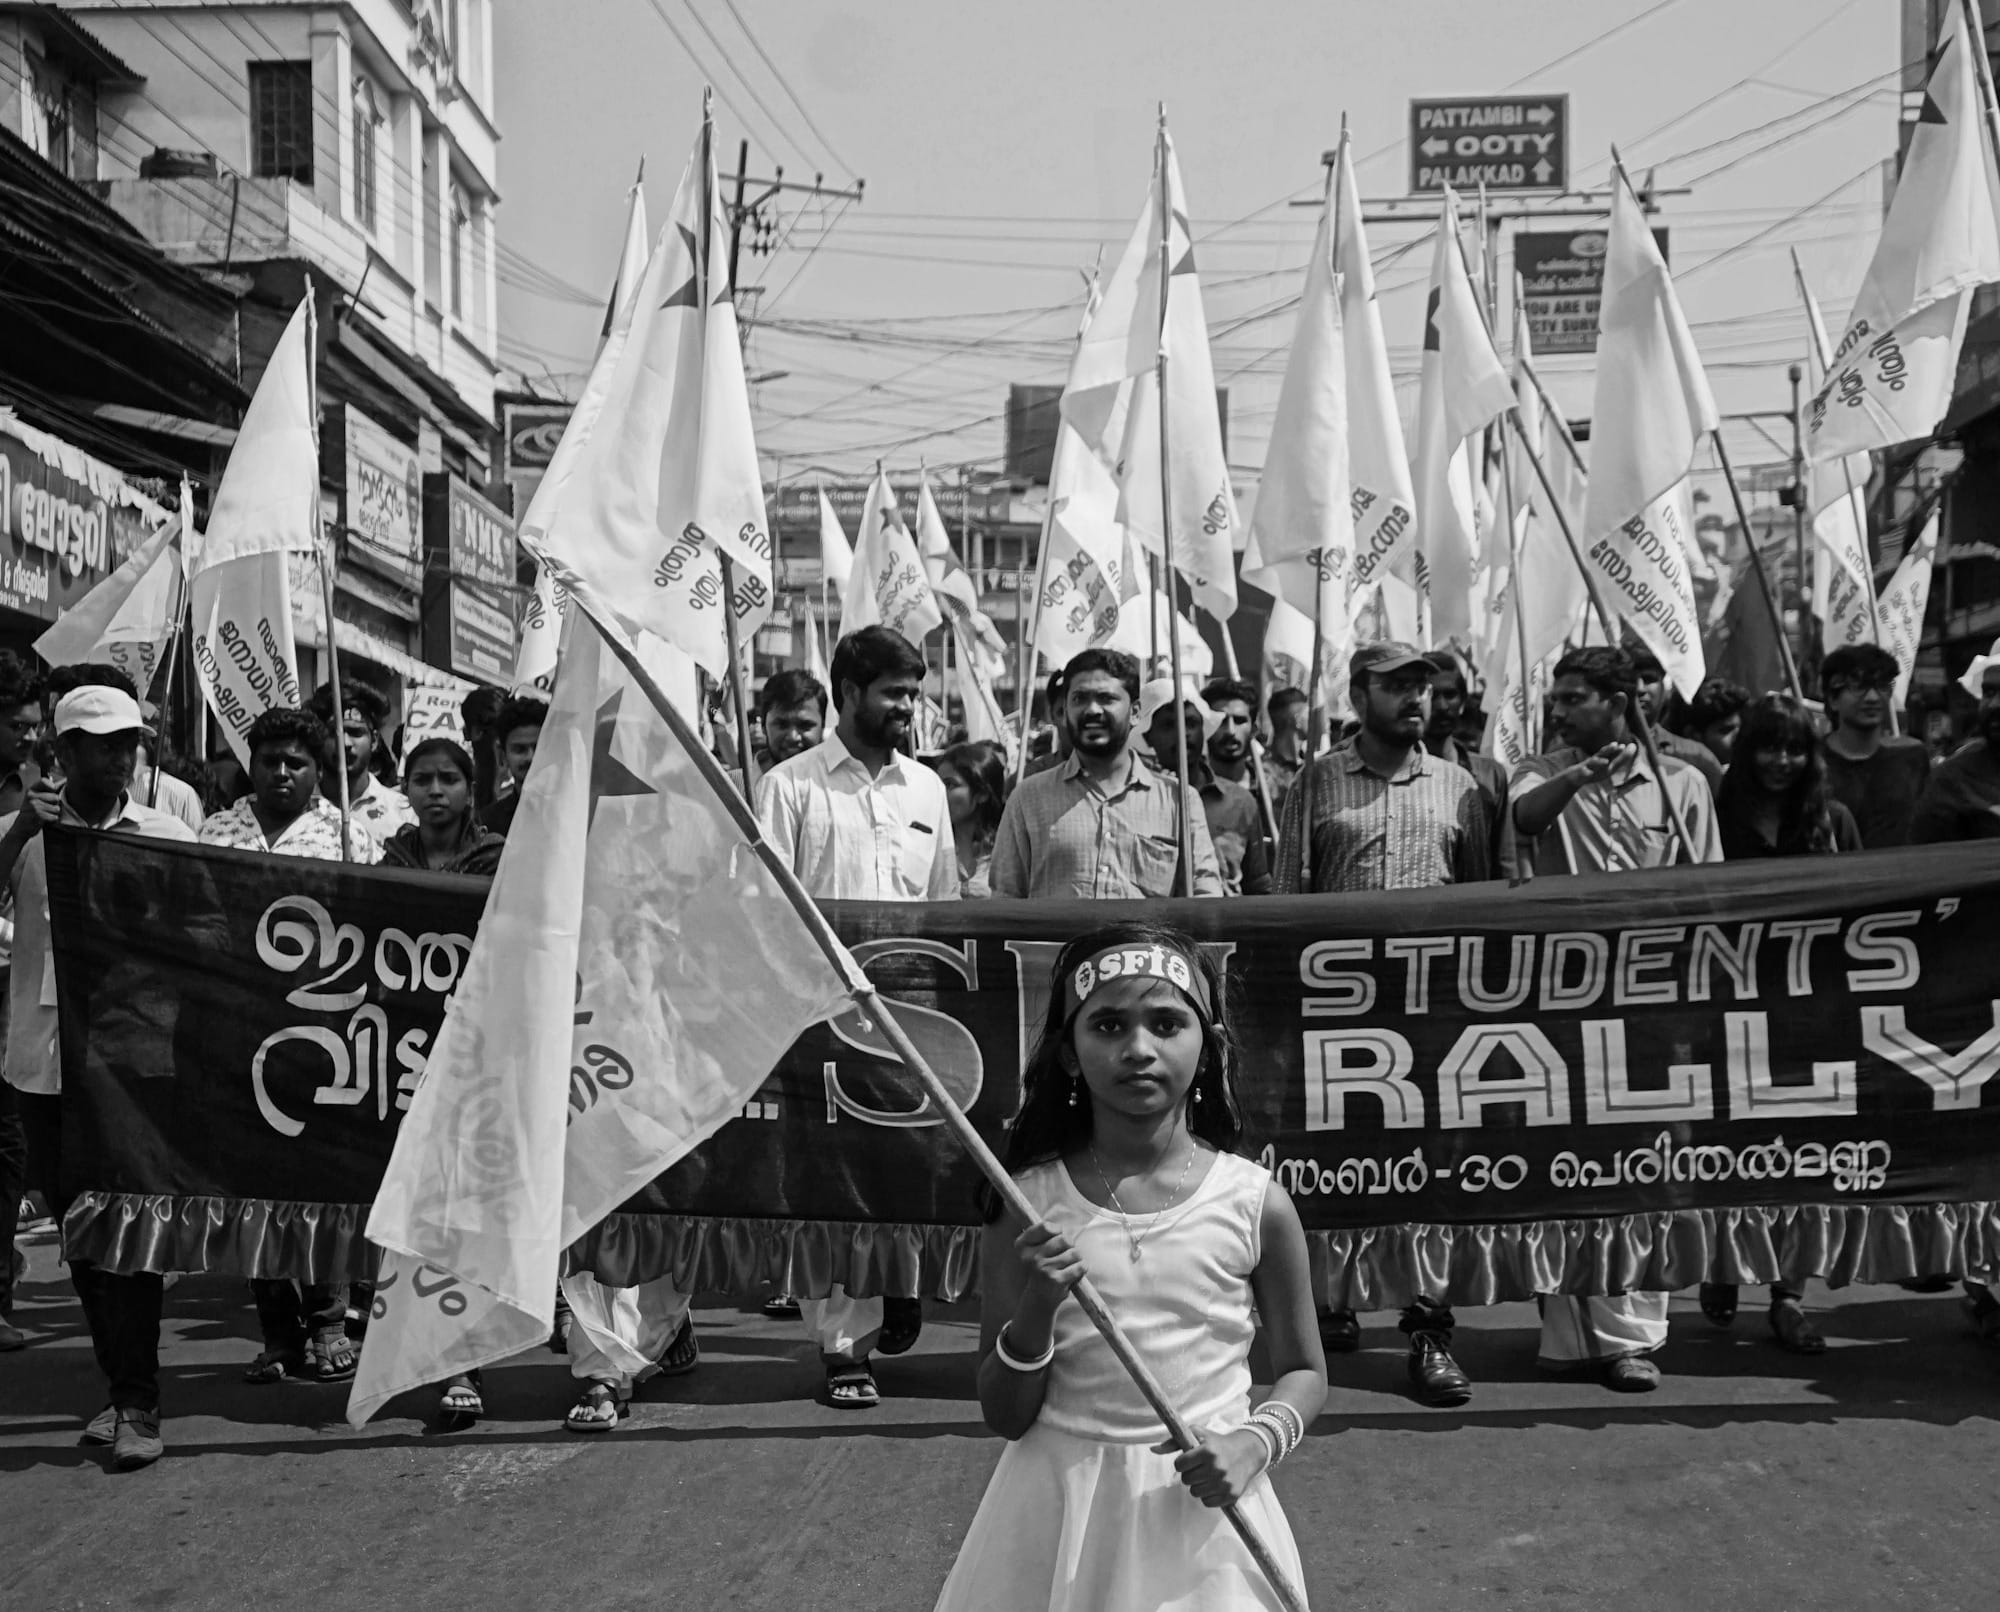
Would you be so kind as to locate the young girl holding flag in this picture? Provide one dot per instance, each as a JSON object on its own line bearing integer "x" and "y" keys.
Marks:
{"x": 1125, "y": 1144}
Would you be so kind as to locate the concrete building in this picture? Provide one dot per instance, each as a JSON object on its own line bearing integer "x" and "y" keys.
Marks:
{"x": 351, "y": 152}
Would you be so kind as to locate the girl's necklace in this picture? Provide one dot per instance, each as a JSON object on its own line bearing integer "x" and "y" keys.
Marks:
{"x": 1125, "y": 1220}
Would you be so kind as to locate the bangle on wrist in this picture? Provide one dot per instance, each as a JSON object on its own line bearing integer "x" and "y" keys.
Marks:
{"x": 1014, "y": 1362}
{"x": 1287, "y": 1417}
{"x": 1267, "y": 1438}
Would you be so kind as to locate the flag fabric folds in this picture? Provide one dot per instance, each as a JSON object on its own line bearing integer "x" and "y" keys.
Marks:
{"x": 552, "y": 512}
{"x": 836, "y": 554}
{"x": 1902, "y": 604}
{"x": 1385, "y": 519}
{"x": 1650, "y": 410}
{"x": 1301, "y": 547}
{"x": 1113, "y": 399}
{"x": 666, "y": 485}
{"x": 1464, "y": 386}
{"x": 1891, "y": 377}
{"x": 949, "y": 580}
{"x": 1843, "y": 582}
{"x": 239, "y": 592}
{"x": 889, "y": 584}
{"x": 127, "y": 619}
{"x": 638, "y": 972}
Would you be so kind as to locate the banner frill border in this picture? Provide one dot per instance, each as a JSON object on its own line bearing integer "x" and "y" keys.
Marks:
{"x": 1362, "y": 1268}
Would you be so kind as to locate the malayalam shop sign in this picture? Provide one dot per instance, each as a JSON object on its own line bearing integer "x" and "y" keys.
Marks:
{"x": 63, "y": 537}
{"x": 1517, "y": 142}
{"x": 469, "y": 610}
{"x": 1562, "y": 286}
{"x": 384, "y": 492}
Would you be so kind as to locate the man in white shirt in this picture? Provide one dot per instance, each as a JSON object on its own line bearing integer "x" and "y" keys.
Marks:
{"x": 860, "y": 820}
{"x": 97, "y": 741}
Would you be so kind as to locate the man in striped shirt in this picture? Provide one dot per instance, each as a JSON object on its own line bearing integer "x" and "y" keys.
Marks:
{"x": 1388, "y": 815}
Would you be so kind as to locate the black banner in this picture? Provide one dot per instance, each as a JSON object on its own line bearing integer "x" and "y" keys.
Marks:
{"x": 1616, "y": 1081}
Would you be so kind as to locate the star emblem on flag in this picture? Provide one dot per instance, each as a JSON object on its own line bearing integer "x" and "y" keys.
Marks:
{"x": 1432, "y": 341}
{"x": 610, "y": 778}
{"x": 689, "y": 295}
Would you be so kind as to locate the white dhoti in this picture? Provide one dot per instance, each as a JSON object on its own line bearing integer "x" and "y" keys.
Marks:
{"x": 845, "y": 1328}
{"x": 1595, "y": 1331}
{"x": 617, "y": 1334}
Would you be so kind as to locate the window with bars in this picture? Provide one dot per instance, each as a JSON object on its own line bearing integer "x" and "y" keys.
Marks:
{"x": 367, "y": 124}
{"x": 281, "y": 121}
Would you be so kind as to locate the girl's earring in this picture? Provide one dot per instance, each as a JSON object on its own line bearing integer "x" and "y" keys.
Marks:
{"x": 1076, "y": 1091}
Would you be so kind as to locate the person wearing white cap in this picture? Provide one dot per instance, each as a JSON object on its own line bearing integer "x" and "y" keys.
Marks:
{"x": 97, "y": 733}
{"x": 1104, "y": 825}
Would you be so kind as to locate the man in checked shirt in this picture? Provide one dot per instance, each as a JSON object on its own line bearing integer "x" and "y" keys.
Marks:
{"x": 1597, "y": 805}
{"x": 1388, "y": 815}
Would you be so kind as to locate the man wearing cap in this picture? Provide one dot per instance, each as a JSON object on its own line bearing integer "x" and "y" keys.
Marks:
{"x": 97, "y": 741}
{"x": 1103, "y": 825}
{"x": 1598, "y": 805}
{"x": 1235, "y": 823}
{"x": 1388, "y": 815}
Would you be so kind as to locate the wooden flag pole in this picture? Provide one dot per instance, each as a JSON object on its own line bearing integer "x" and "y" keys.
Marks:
{"x": 1757, "y": 564}
{"x": 1528, "y": 735}
{"x": 326, "y": 566}
{"x": 1316, "y": 712}
{"x": 877, "y": 1010}
{"x": 1184, "y": 871}
{"x": 1635, "y": 717}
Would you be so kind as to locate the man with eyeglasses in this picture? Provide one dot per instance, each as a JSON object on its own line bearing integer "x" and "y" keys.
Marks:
{"x": 1877, "y": 775}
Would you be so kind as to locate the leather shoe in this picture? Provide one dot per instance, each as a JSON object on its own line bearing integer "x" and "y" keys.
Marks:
{"x": 1632, "y": 1374}
{"x": 11, "y": 1337}
{"x": 1339, "y": 1331}
{"x": 1437, "y": 1377}
{"x": 137, "y": 1443}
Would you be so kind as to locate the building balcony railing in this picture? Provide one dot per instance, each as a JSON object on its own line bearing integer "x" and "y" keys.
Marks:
{"x": 224, "y": 218}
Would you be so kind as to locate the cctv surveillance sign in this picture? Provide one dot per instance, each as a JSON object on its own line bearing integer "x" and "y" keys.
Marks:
{"x": 1503, "y": 142}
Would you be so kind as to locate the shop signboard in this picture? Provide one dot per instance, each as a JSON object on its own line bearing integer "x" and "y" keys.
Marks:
{"x": 469, "y": 599}
{"x": 383, "y": 491}
{"x": 63, "y": 536}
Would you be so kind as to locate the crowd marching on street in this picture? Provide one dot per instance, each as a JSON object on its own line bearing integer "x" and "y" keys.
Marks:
{"x": 1478, "y": 740}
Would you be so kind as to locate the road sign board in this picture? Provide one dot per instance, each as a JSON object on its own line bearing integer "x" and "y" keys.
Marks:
{"x": 1562, "y": 283}
{"x": 1510, "y": 142}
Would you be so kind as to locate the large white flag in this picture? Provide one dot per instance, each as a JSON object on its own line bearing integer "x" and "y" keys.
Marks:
{"x": 1385, "y": 521}
{"x": 889, "y": 584}
{"x": 1553, "y": 589}
{"x": 1892, "y": 375}
{"x": 667, "y": 485}
{"x": 637, "y": 974}
{"x": 1113, "y": 399}
{"x": 552, "y": 512}
{"x": 1902, "y": 605}
{"x": 128, "y": 618}
{"x": 1301, "y": 547}
{"x": 836, "y": 554}
{"x": 1650, "y": 410}
{"x": 239, "y": 594}
{"x": 1843, "y": 583}
{"x": 1464, "y": 386}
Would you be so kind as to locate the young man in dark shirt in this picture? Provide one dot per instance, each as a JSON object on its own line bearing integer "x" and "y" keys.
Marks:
{"x": 1875, "y": 774}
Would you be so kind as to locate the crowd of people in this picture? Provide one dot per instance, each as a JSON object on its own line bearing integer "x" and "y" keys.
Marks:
{"x": 1398, "y": 796}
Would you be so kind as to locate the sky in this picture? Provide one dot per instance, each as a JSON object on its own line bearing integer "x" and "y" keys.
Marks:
{"x": 1003, "y": 145}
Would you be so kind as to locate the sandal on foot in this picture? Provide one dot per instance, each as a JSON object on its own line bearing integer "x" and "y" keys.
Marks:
{"x": 334, "y": 1356}
{"x": 275, "y": 1365}
{"x": 599, "y": 1410}
{"x": 1794, "y": 1330}
{"x": 1718, "y": 1302}
{"x": 902, "y": 1325}
{"x": 683, "y": 1354}
{"x": 462, "y": 1403}
{"x": 850, "y": 1385}
{"x": 1633, "y": 1374}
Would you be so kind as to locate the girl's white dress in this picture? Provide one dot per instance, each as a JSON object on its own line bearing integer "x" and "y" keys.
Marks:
{"x": 1081, "y": 1516}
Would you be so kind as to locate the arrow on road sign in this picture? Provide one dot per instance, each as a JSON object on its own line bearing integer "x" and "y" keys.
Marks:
{"x": 1544, "y": 115}
{"x": 1434, "y": 147}
{"x": 1543, "y": 172}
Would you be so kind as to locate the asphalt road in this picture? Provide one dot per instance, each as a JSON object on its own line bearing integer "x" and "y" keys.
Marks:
{"x": 1865, "y": 1478}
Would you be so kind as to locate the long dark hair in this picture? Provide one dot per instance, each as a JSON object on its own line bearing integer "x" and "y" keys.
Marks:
{"x": 1049, "y": 1125}
{"x": 1805, "y": 824}
{"x": 983, "y": 765}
